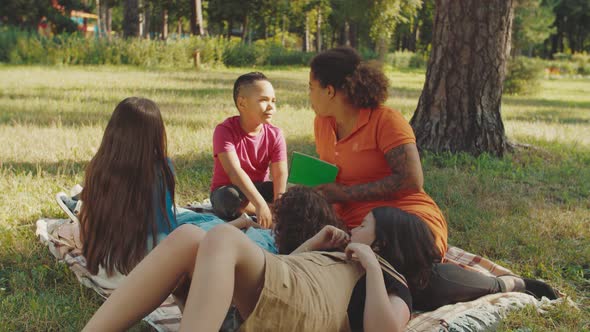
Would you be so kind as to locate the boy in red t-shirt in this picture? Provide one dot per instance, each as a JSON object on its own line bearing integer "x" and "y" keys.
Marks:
{"x": 244, "y": 148}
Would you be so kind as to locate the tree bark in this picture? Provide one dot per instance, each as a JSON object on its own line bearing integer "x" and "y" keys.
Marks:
{"x": 459, "y": 109}
{"x": 131, "y": 18}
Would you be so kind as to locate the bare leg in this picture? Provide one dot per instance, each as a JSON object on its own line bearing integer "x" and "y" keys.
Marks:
{"x": 230, "y": 266}
{"x": 150, "y": 282}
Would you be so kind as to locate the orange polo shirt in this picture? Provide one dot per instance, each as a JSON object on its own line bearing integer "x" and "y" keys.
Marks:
{"x": 360, "y": 158}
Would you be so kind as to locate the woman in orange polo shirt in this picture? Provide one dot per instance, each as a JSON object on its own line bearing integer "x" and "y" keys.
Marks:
{"x": 373, "y": 146}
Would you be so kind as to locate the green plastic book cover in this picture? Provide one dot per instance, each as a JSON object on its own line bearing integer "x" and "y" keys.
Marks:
{"x": 310, "y": 171}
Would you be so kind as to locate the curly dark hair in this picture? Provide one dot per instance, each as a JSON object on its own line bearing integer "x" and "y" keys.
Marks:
{"x": 363, "y": 83}
{"x": 406, "y": 242}
{"x": 300, "y": 213}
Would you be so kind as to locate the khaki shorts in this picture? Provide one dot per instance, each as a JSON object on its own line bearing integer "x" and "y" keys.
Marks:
{"x": 304, "y": 292}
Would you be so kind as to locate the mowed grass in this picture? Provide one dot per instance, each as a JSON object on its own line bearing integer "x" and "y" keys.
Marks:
{"x": 529, "y": 211}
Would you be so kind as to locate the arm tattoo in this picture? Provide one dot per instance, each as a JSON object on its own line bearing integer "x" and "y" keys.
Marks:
{"x": 385, "y": 188}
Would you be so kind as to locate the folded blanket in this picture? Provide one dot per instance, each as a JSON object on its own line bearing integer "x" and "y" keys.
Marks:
{"x": 482, "y": 314}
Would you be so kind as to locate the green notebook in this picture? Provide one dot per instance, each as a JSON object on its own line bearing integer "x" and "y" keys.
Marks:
{"x": 310, "y": 171}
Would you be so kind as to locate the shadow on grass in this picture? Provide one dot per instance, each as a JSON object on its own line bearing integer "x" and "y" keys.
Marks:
{"x": 62, "y": 167}
{"x": 545, "y": 103}
{"x": 548, "y": 116}
{"x": 78, "y": 116}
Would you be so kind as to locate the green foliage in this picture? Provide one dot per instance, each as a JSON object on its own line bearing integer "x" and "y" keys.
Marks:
{"x": 241, "y": 55}
{"x": 569, "y": 64}
{"x": 532, "y": 23}
{"x": 21, "y": 47}
{"x": 523, "y": 76}
{"x": 264, "y": 52}
{"x": 406, "y": 59}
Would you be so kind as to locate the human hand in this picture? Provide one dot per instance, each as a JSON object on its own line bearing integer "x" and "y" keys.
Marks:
{"x": 332, "y": 192}
{"x": 330, "y": 237}
{"x": 244, "y": 221}
{"x": 264, "y": 216}
{"x": 364, "y": 254}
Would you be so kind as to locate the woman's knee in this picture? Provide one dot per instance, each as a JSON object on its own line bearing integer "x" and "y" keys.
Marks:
{"x": 222, "y": 238}
{"x": 185, "y": 237}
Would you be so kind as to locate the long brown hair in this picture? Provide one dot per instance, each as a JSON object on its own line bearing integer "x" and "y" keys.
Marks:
{"x": 300, "y": 213}
{"x": 125, "y": 188}
{"x": 407, "y": 243}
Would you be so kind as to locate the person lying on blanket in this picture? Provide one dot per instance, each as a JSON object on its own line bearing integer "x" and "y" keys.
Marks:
{"x": 128, "y": 192}
{"x": 308, "y": 290}
{"x": 444, "y": 283}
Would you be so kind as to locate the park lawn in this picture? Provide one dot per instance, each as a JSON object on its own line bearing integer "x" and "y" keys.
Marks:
{"x": 529, "y": 211}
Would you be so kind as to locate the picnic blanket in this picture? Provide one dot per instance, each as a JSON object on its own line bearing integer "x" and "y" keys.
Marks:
{"x": 60, "y": 236}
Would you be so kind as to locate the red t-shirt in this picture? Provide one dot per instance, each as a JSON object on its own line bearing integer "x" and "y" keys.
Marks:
{"x": 360, "y": 158}
{"x": 255, "y": 153}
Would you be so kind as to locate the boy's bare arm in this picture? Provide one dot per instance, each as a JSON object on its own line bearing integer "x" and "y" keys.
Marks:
{"x": 231, "y": 165}
{"x": 279, "y": 172}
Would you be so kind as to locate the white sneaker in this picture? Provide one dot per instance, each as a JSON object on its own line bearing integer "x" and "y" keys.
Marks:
{"x": 68, "y": 205}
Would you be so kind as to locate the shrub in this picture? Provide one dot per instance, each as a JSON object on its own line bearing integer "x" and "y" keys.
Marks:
{"x": 406, "y": 59}
{"x": 240, "y": 55}
{"x": 523, "y": 76}
{"x": 418, "y": 60}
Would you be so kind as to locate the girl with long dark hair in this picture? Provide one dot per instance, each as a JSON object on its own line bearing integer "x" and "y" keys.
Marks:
{"x": 128, "y": 192}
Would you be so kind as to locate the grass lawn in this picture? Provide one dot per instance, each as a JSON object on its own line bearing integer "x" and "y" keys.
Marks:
{"x": 529, "y": 211}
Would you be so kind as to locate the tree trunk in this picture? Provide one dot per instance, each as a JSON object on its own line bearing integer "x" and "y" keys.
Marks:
{"x": 230, "y": 24}
{"x": 165, "y": 24}
{"x": 109, "y": 22}
{"x": 382, "y": 47}
{"x": 353, "y": 36}
{"x": 306, "y": 42}
{"x": 244, "y": 28}
{"x": 318, "y": 38}
{"x": 147, "y": 15}
{"x": 197, "y": 18}
{"x": 131, "y": 18}
{"x": 345, "y": 34}
{"x": 459, "y": 109}
{"x": 415, "y": 35}
{"x": 101, "y": 19}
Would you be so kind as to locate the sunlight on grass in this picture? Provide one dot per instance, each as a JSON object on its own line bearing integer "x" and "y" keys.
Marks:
{"x": 529, "y": 211}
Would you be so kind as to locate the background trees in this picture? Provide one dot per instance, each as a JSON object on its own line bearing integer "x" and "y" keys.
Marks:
{"x": 541, "y": 27}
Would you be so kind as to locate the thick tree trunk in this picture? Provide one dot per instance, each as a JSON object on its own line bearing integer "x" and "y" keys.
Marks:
{"x": 131, "y": 18}
{"x": 459, "y": 109}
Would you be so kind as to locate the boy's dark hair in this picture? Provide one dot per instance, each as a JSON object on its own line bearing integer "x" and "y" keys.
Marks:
{"x": 299, "y": 214}
{"x": 407, "y": 243}
{"x": 364, "y": 83}
{"x": 245, "y": 80}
